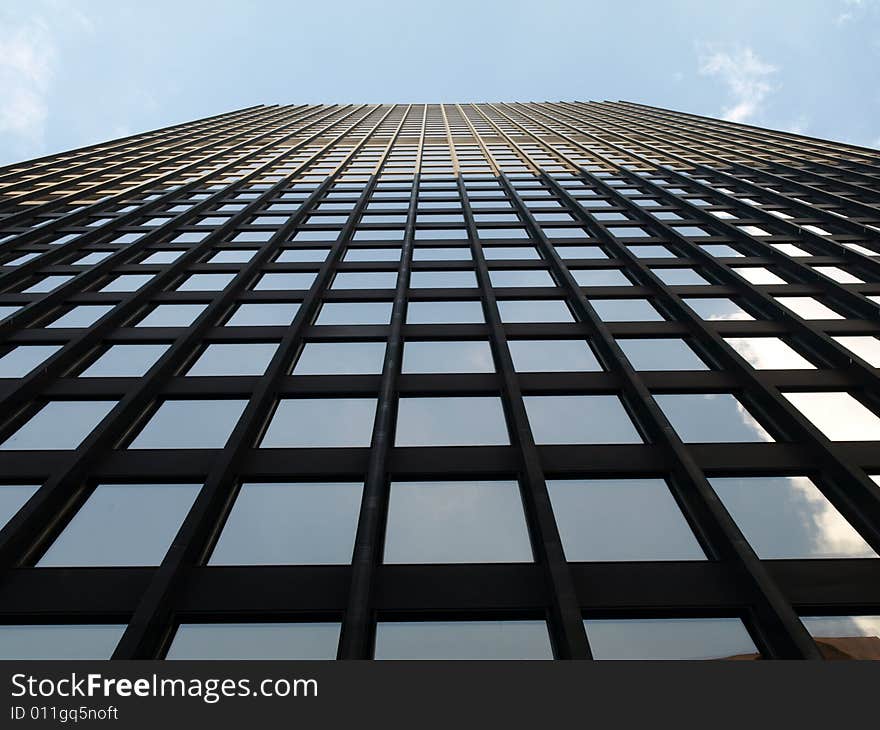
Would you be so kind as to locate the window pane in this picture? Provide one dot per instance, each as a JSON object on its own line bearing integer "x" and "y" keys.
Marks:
{"x": 354, "y": 313}
{"x": 462, "y": 640}
{"x": 19, "y": 361}
{"x": 321, "y": 422}
{"x": 290, "y": 524}
{"x": 282, "y": 281}
{"x": 451, "y": 422}
{"x": 866, "y": 347}
{"x": 365, "y": 280}
{"x": 340, "y": 358}
{"x": 838, "y": 415}
{"x": 122, "y": 524}
{"x": 551, "y": 356}
{"x": 425, "y": 253}
{"x": 808, "y": 308}
{"x": 845, "y": 637}
{"x": 125, "y": 361}
{"x": 12, "y": 499}
{"x": 580, "y": 419}
{"x": 620, "y": 519}
{"x": 527, "y": 277}
{"x": 59, "y": 641}
{"x": 660, "y": 353}
{"x": 263, "y": 315}
{"x": 768, "y": 353}
{"x": 625, "y": 310}
{"x": 717, "y": 308}
{"x": 509, "y": 253}
{"x": 444, "y": 312}
{"x": 190, "y": 424}
{"x": 82, "y": 316}
{"x": 127, "y": 282}
{"x": 373, "y": 254}
{"x": 302, "y": 255}
{"x": 677, "y": 638}
{"x": 679, "y": 277}
{"x": 172, "y": 315}
{"x": 442, "y": 279}
{"x": 600, "y": 277}
{"x": 456, "y": 522}
{"x": 251, "y": 358}
{"x": 532, "y": 310}
{"x": 788, "y": 517}
{"x": 710, "y": 418}
{"x": 474, "y": 356}
{"x": 255, "y": 641}
{"x": 59, "y": 425}
{"x": 206, "y": 282}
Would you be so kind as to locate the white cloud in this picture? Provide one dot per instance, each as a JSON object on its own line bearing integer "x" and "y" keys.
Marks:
{"x": 27, "y": 56}
{"x": 743, "y": 73}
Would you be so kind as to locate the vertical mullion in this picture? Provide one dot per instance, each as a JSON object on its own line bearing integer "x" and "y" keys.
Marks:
{"x": 566, "y": 624}
{"x": 357, "y": 634}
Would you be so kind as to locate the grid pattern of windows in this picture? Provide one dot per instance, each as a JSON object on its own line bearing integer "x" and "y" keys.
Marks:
{"x": 465, "y": 381}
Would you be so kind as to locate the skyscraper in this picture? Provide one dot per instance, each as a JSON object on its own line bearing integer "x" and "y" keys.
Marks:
{"x": 502, "y": 380}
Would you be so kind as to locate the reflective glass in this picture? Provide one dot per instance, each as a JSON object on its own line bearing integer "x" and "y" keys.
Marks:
{"x": 462, "y": 640}
{"x": 451, "y": 421}
{"x": 320, "y": 423}
{"x": 340, "y": 358}
{"x": 660, "y": 353}
{"x": 580, "y": 419}
{"x": 255, "y": 641}
{"x": 190, "y": 424}
{"x": 548, "y": 356}
{"x": 469, "y": 356}
{"x": 62, "y": 424}
{"x": 235, "y": 358}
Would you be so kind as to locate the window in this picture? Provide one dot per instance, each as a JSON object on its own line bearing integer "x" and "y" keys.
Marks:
{"x": 444, "y": 312}
{"x": 788, "y": 517}
{"x": 758, "y": 275}
{"x": 19, "y": 361}
{"x": 581, "y": 252}
{"x": 472, "y": 356}
{"x": 122, "y": 525}
{"x": 442, "y": 279}
{"x": 60, "y": 424}
{"x": 365, "y": 280}
{"x": 255, "y": 641}
{"x": 190, "y": 424}
{"x": 46, "y": 284}
{"x": 669, "y": 638}
{"x": 550, "y": 356}
{"x": 625, "y": 310}
{"x": 233, "y": 256}
{"x": 600, "y": 277}
{"x": 59, "y": 641}
{"x": 462, "y": 640}
{"x": 290, "y": 524}
{"x": 451, "y": 421}
{"x": 125, "y": 361}
{"x": 302, "y": 255}
{"x": 84, "y": 315}
{"x": 510, "y": 253}
{"x": 162, "y": 257}
{"x": 620, "y": 519}
{"x": 651, "y": 252}
{"x": 866, "y": 347}
{"x": 172, "y": 315}
{"x": 768, "y": 353}
{"x": 321, "y": 423}
{"x": 263, "y": 315}
{"x": 283, "y": 281}
{"x": 837, "y": 415}
{"x": 251, "y": 358}
{"x": 710, "y": 418}
{"x": 534, "y": 310}
{"x": 12, "y": 499}
{"x": 859, "y": 635}
{"x": 717, "y": 308}
{"x": 372, "y": 254}
{"x": 127, "y": 283}
{"x": 206, "y": 282}
{"x": 580, "y": 419}
{"x": 808, "y": 308}
{"x": 679, "y": 277}
{"x": 660, "y": 353}
{"x": 430, "y": 253}
{"x": 354, "y": 313}
{"x": 456, "y": 522}
{"x": 525, "y": 277}
{"x": 340, "y": 358}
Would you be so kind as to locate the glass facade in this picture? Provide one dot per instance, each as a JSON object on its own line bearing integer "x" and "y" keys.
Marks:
{"x": 557, "y": 380}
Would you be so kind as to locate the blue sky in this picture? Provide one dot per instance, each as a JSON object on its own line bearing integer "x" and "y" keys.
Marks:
{"x": 75, "y": 73}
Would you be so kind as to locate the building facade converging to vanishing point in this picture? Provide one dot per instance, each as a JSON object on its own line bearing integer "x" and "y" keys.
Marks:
{"x": 571, "y": 380}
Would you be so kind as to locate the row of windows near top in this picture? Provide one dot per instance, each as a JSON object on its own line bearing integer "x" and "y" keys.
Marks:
{"x": 430, "y": 421}
{"x": 714, "y": 637}
{"x": 314, "y": 523}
